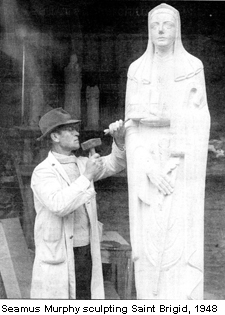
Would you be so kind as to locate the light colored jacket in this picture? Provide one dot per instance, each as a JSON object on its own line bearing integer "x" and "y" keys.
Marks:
{"x": 55, "y": 200}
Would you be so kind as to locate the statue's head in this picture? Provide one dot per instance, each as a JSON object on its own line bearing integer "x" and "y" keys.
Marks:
{"x": 73, "y": 59}
{"x": 164, "y": 30}
{"x": 163, "y": 26}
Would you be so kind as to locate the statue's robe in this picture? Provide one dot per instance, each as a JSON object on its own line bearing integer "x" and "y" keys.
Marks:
{"x": 167, "y": 120}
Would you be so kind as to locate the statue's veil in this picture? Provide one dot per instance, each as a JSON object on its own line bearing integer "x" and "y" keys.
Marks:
{"x": 185, "y": 64}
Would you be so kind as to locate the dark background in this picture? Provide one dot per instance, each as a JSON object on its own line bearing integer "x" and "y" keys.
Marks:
{"x": 57, "y": 23}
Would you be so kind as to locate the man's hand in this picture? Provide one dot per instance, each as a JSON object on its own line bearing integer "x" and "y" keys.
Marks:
{"x": 93, "y": 167}
{"x": 117, "y": 131}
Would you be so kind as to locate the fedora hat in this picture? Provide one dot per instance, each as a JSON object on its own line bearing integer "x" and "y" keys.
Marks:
{"x": 54, "y": 118}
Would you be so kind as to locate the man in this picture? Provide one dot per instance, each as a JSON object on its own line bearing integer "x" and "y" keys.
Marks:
{"x": 67, "y": 261}
{"x": 167, "y": 132}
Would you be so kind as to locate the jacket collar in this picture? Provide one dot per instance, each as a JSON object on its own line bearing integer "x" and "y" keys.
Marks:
{"x": 58, "y": 167}
{"x": 55, "y": 163}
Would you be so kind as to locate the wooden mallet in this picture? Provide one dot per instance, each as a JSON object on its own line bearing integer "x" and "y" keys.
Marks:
{"x": 91, "y": 145}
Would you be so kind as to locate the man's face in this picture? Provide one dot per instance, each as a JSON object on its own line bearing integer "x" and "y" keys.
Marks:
{"x": 67, "y": 137}
{"x": 163, "y": 30}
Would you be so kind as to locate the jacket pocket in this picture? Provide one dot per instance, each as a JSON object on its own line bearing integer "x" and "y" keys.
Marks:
{"x": 53, "y": 252}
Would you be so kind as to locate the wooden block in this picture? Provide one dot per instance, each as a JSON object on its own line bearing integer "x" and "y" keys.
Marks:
{"x": 115, "y": 250}
{"x": 110, "y": 292}
{"x": 108, "y": 238}
{"x": 114, "y": 236}
{"x": 15, "y": 260}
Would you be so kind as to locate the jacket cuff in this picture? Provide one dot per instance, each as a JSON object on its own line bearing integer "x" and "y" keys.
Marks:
{"x": 117, "y": 148}
{"x": 82, "y": 182}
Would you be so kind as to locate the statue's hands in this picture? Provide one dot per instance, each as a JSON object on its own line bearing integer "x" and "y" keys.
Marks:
{"x": 161, "y": 178}
{"x": 117, "y": 131}
{"x": 161, "y": 181}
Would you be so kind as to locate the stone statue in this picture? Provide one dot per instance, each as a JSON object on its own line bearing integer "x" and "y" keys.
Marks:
{"x": 167, "y": 130}
{"x": 92, "y": 97}
{"x": 73, "y": 84}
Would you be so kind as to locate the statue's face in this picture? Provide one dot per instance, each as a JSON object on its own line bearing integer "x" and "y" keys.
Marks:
{"x": 163, "y": 30}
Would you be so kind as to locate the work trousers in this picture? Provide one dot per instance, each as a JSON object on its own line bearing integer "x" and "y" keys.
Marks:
{"x": 83, "y": 271}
